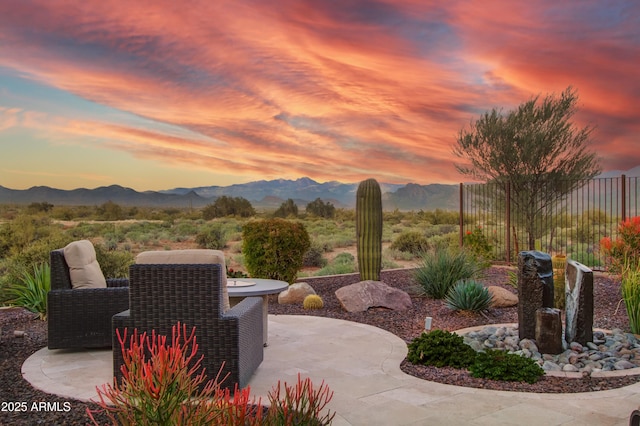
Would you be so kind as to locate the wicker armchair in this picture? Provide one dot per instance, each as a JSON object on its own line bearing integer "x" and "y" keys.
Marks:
{"x": 163, "y": 295}
{"x": 81, "y": 318}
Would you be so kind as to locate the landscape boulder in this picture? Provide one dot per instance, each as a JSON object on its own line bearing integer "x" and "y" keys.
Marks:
{"x": 501, "y": 297}
{"x": 363, "y": 295}
{"x": 295, "y": 293}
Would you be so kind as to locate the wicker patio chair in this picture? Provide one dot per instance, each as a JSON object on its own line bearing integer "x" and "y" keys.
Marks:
{"x": 161, "y": 295}
{"x": 81, "y": 318}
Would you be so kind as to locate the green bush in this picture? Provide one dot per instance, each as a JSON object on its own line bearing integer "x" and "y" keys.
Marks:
{"x": 114, "y": 263}
{"x": 500, "y": 365}
{"x": 274, "y": 248}
{"x": 440, "y": 270}
{"x": 31, "y": 291}
{"x": 412, "y": 242}
{"x": 468, "y": 295}
{"x": 441, "y": 348}
{"x": 314, "y": 256}
{"x": 344, "y": 263}
{"x": 211, "y": 237}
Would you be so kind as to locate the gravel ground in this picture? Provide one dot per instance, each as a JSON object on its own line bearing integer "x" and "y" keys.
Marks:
{"x": 609, "y": 314}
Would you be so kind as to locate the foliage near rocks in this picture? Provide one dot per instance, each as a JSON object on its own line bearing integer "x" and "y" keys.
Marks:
{"x": 274, "y": 248}
{"x": 441, "y": 348}
{"x": 314, "y": 256}
{"x": 440, "y": 270}
{"x": 500, "y": 365}
{"x": 468, "y": 295}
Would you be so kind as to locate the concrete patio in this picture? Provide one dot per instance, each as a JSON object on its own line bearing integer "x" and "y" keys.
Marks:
{"x": 361, "y": 364}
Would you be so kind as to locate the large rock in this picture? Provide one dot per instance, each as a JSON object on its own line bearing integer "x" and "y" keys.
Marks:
{"x": 363, "y": 295}
{"x": 579, "y": 303}
{"x": 295, "y": 293}
{"x": 535, "y": 289}
{"x": 501, "y": 297}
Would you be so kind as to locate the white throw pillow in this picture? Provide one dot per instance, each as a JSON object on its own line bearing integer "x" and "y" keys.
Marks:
{"x": 191, "y": 256}
{"x": 84, "y": 269}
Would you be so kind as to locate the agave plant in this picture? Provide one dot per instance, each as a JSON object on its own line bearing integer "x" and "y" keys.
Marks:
{"x": 468, "y": 296}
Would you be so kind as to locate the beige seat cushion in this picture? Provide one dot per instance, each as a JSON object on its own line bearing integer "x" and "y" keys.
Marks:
{"x": 84, "y": 269}
{"x": 193, "y": 256}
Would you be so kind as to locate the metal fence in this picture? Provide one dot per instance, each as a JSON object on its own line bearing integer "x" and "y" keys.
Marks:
{"x": 511, "y": 219}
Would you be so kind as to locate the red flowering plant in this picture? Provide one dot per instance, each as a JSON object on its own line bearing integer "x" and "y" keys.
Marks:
{"x": 625, "y": 250}
{"x": 478, "y": 245}
{"x": 166, "y": 385}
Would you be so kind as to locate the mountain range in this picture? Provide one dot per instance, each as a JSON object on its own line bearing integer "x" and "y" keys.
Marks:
{"x": 262, "y": 194}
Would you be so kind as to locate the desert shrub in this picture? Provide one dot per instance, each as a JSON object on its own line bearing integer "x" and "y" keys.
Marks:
{"x": 477, "y": 244}
{"x": 441, "y": 348}
{"x": 411, "y": 241}
{"x": 228, "y": 206}
{"x": 31, "y": 291}
{"x": 314, "y": 256}
{"x": 287, "y": 209}
{"x": 114, "y": 263}
{"x": 344, "y": 263}
{"x": 500, "y": 365}
{"x": 321, "y": 209}
{"x": 211, "y": 237}
{"x": 468, "y": 295}
{"x": 274, "y": 248}
{"x": 440, "y": 270}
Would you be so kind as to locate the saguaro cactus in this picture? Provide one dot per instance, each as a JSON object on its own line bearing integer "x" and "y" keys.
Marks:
{"x": 369, "y": 229}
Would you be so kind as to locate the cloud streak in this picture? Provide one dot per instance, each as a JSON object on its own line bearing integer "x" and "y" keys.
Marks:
{"x": 331, "y": 90}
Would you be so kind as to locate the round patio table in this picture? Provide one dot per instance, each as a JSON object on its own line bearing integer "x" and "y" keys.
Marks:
{"x": 238, "y": 290}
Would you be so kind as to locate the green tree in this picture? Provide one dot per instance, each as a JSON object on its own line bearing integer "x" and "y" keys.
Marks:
{"x": 110, "y": 211}
{"x": 287, "y": 209}
{"x": 535, "y": 150}
{"x": 321, "y": 209}
{"x": 228, "y": 206}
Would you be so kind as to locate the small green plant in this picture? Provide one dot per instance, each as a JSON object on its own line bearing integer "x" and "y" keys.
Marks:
{"x": 441, "y": 348}
{"x": 231, "y": 273}
{"x": 274, "y": 248}
{"x": 441, "y": 269}
{"x": 411, "y": 242}
{"x": 312, "y": 301}
{"x": 559, "y": 262}
{"x": 512, "y": 278}
{"x": 468, "y": 295}
{"x": 500, "y": 365}
{"x": 314, "y": 256}
{"x": 631, "y": 295}
{"x": 31, "y": 291}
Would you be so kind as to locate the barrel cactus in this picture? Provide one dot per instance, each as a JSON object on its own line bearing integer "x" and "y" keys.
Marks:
{"x": 369, "y": 229}
{"x": 312, "y": 301}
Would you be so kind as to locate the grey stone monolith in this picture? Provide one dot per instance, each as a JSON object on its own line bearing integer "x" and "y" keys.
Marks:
{"x": 535, "y": 289}
{"x": 579, "y": 303}
{"x": 549, "y": 330}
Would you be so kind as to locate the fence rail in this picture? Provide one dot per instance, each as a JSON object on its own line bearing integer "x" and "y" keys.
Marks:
{"x": 573, "y": 224}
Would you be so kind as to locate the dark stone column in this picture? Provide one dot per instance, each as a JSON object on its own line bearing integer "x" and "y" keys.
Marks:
{"x": 535, "y": 289}
{"x": 549, "y": 330}
{"x": 579, "y": 303}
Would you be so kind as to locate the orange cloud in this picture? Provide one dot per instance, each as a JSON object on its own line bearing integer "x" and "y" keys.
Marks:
{"x": 331, "y": 91}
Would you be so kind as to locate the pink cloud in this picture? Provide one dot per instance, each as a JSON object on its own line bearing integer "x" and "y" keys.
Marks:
{"x": 329, "y": 91}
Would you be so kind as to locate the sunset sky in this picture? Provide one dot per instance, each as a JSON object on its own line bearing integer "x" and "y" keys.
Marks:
{"x": 162, "y": 94}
